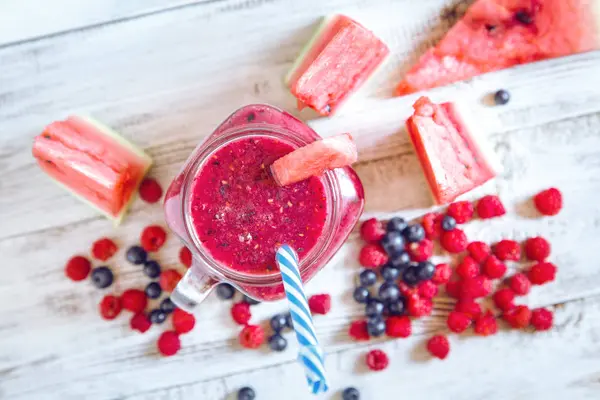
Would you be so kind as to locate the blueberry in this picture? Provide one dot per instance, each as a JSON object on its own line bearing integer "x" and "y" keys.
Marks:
{"x": 277, "y": 342}
{"x": 410, "y": 276}
{"x": 393, "y": 243}
{"x": 524, "y": 17}
{"x": 361, "y": 294}
{"x": 374, "y": 308}
{"x": 288, "y": 321}
{"x": 448, "y": 223}
{"x": 153, "y": 290}
{"x": 225, "y": 291}
{"x": 414, "y": 233}
{"x": 102, "y": 277}
{"x": 367, "y": 277}
{"x": 278, "y": 322}
{"x": 400, "y": 261}
{"x": 397, "y": 307}
{"x": 388, "y": 292}
{"x": 136, "y": 255}
{"x": 425, "y": 270}
{"x": 501, "y": 97}
{"x": 396, "y": 224}
{"x": 157, "y": 316}
{"x": 167, "y": 306}
{"x": 250, "y": 300}
{"x": 152, "y": 269}
{"x": 246, "y": 393}
{"x": 376, "y": 326}
{"x": 350, "y": 394}
{"x": 389, "y": 273}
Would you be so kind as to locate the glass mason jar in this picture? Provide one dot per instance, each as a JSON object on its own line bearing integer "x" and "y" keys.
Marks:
{"x": 344, "y": 198}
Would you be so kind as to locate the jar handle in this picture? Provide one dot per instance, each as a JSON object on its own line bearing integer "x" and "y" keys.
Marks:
{"x": 192, "y": 289}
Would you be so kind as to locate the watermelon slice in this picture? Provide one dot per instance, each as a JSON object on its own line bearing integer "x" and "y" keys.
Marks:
{"x": 453, "y": 159}
{"x": 314, "y": 159}
{"x": 334, "y": 64}
{"x": 92, "y": 162}
{"x": 498, "y": 34}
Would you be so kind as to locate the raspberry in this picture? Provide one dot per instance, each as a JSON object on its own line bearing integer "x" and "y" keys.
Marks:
{"x": 421, "y": 251}
{"x": 153, "y": 237}
{"x": 542, "y": 319}
{"x": 489, "y": 207}
{"x": 549, "y": 201}
{"x": 185, "y": 256}
{"x": 461, "y": 211}
{"x": 183, "y": 322}
{"x": 134, "y": 300}
{"x": 479, "y": 251}
{"x": 140, "y": 322}
{"x": 486, "y": 324}
{"x": 240, "y": 312}
{"x": 377, "y": 360}
{"x": 427, "y": 289}
{"x": 372, "y": 231}
{"x": 103, "y": 249}
{"x": 541, "y": 273}
{"x": 169, "y": 279}
{"x": 150, "y": 191}
{"x": 418, "y": 307}
{"x": 407, "y": 291}
{"x": 453, "y": 289}
{"x": 494, "y": 268}
{"x": 78, "y": 268}
{"x": 504, "y": 299}
{"x": 442, "y": 274}
{"x": 473, "y": 288}
{"x": 398, "y": 327}
{"x": 110, "y": 307}
{"x": 432, "y": 223}
{"x": 169, "y": 343}
{"x": 252, "y": 336}
{"x": 372, "y": 256}
{"x": 454, "y": 241}
{"x": 358, "y": 330}
{"x": 468, "y": 268}
{"x": 519, "y": 317}
{"x": 469, "y": 307}
{"x": 458, "y": 322}
{"x": 520, "y": 284}
{"x": 537, "y": 248}
{"x": 438, "y": 346}
{"x": 319, "y": 303}
{"x": 507, "y": 250}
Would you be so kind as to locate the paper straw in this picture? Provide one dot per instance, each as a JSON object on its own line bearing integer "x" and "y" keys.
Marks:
{"x": 311, "y": 354}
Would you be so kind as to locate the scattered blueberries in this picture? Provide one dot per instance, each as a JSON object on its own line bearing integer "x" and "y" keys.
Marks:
{"x": 393, "y": 243}
{"x": 102, "y": 277}
{"x": 277, "y": 342}
{"x": 153, "y": 290}
{"x": 389, "y": 292}
{"x": 396, "y": 224}
{"x": 410, "y": 275}
{"x": 367, "y": 277}
{"x": 152, "y": 269}
{"x": 414, "y": 233}
{"x": 397, "y": 307}
{"x": 501, "y": 97}
{"x": 400, "y": 260}
{"x": 389, "y": 273}
{"x": 246, "y": 393}
{"x": 374, "y": 308}
{"x": 167, "y": 306}
{"x": 250, "y": 301}
{"x": 157, "y": 316}
{"x": 288, "y": 321}
{"x": 448, "y": 223}
{"x": 376, "y": 326}
{"x": 425, "y": 271}
{"x": 351, "y": 393}
{"x": 361, "y": 294}
{"x": 278, "y": 322}
{"x": 225, "y": 291}
{"x": 136, "y": 255}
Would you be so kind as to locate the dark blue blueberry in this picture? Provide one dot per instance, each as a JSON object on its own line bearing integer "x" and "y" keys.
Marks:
{"x": 350, "y": 394}
{"x": 102, "y": 277}
{"x": 152, "y": 269}
{"x": 153, "y": 290}
{"x": 374, "y": 308}
{"x": 361, "y": 294}
{"x": 501, "y": 97}
{"x": 277, "y": 342}
{"x": 393, "y": 243}
{"x": 400, "y": 259}
{"x": 389, "y": 273}
{"x": 246, "y": 393}
{"x": 250, "y": 301}
{"x": 225, "y": 291}
{"x": 448, "y": 223}
{"x": 524, "y": 17}
{"x": 278, "y": 322}
{"x": 376, "y": 326}
{"x": 396, "y": 224}
{"x": 157, "y": 316}
{"x": 167, "y": 306}
{"x": 425, "y": 271}
{"x": 410, "y": 276}
{"x": 414, "y": 233}
{"x": 367, "y": 277}
{"x": 136, "y": 255}
{"x": 397, "y": 307}
{"x": 288, "y": 321}
{"x": 389, "y": 292}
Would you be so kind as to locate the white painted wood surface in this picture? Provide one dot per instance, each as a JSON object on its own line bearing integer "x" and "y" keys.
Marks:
{"x": 166, "y": 75}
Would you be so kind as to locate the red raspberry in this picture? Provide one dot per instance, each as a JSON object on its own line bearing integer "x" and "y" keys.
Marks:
{"x": 473, "y": 288}
{"x": 372, "y": 231}
{"x": 454, "y": 241}
{"x": 153, "y": 237}
{"x": 438, "y": 346}
{"x": 442, "y": 274}
{"x": 489, "y": 207}
{"x": 134, "y": 300}
{"x": 407, "y": 291}
{"x": 549, "y": 201}
{"x": 494, "y": 268}
{"x": 421, "y": 251}
{"x": 479, "y": 251}
{"x": 469, "y": 307}
{"x": 252, "y": 336}
{"x": 461, "y": 211}
{"x": 537, "y": 248}
{"x": 319, "y": 303}
{"x": 110, "y": 307}
{"x": 541, "y": 273}
{"x": 520, "y": 284}
{"x": 150, "y": 191}
{"x": 519, "y": 317}
{"x": 507, "y": 250}
{"x": 418, "y": 307}
{"x": 78, "y": 268}
{"x": 183, "y": 322}
{"x": 398, "y": 327}
{"x": 140, "y": 322}
{"x": 468, "y": 268}
{"x": 504, "y": 299}
{"x": 372, "y": 256}
{"x": 486, "y": 324}
{"x": 542, "y": 319}
{"x": 358, "y": 330}
{"x": 458, "y": 322}
{"x": 103, "y": 249}
{"x": 169, "y": 279}
{"x": 185, "y": 256}
{"x": 454, "y": 288}
{"x": 427, "y": 289}
{"x": 240, "y": 312}
{"x": 377, "y": 360}
{"x": 432, "y": 223}
{"x": 169, "y": 343}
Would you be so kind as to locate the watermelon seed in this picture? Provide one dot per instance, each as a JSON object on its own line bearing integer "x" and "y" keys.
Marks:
{"x": 524, "y": 17}
{"x": 251, "y": 117}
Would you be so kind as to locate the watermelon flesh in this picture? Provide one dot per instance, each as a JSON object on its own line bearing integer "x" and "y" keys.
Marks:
{"x": 453, "y": 159}
{"x": 335, "y": 63}
{"x": 498, "y": 34}
{"x": 93, "y": 162}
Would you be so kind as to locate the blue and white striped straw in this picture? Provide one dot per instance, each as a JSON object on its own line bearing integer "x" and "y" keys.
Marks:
{"x": 311, "y": 354}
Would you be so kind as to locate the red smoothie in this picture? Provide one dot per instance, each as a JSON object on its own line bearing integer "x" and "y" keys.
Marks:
{"x": 240, "y": 214}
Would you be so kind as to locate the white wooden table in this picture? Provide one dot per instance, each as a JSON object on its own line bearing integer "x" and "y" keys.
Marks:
{"x": 165, "y": 73}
